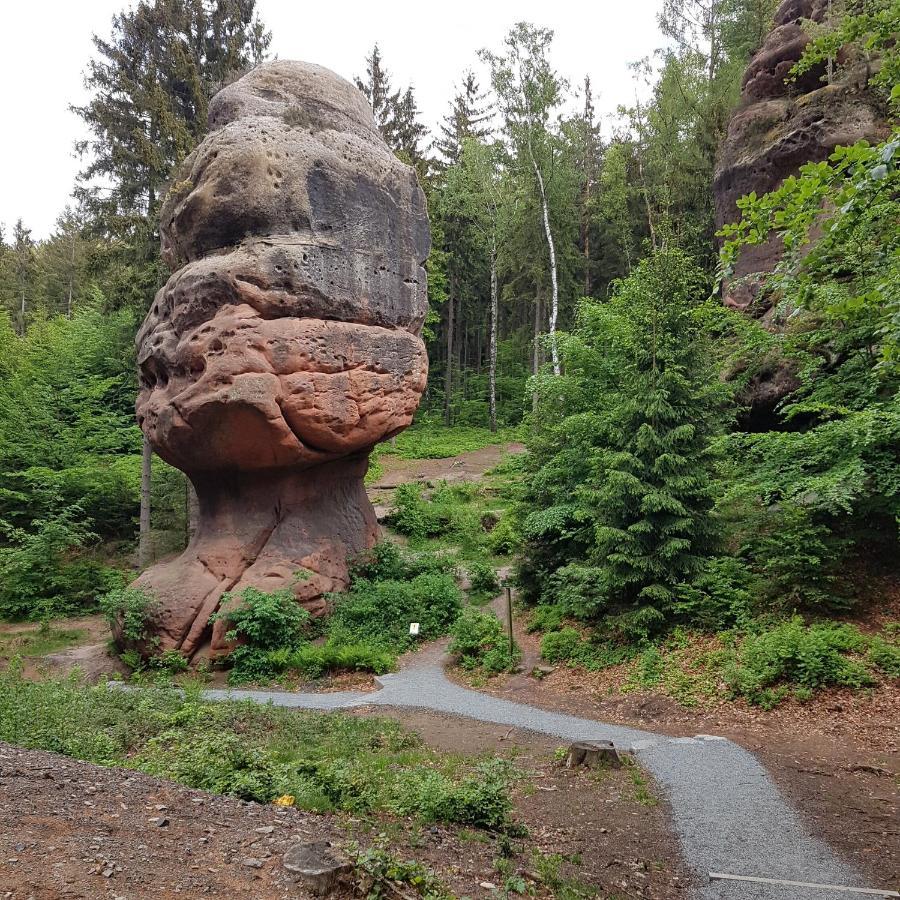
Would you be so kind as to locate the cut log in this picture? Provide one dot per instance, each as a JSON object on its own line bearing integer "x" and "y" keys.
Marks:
{"x": 593, "y": 755}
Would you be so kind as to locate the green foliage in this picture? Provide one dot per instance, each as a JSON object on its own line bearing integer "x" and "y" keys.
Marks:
{"x": 560, "y": 646}
{"x": 326, "y": 761}
{"x": 454, "y": 514}
{"x": 379, "y": 612}
{"x": 43, "y": 571}
{"x": 367, "y": 628}
{"x": 484, "y": 584}
{"x": 567, "y": 645}
{"x": 480, "y": 642}
{"x": 381, "y": 865}
{"x": 429, "y": 439}
{"x": 812, "y": 656}
{"x": 315, "y": 660}
{"x": 884, "y": 655}
{"x": 261, "y": 620}
{"x": 620, "y": 490}
{"x": 131, "y": 611}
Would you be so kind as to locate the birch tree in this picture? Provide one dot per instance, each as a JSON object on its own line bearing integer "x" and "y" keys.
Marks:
{"x": 477, "y": 192}
{"x": 528, "y": 93}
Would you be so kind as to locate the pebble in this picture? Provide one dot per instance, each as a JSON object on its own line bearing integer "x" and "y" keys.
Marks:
{"x": 252, "y": 862}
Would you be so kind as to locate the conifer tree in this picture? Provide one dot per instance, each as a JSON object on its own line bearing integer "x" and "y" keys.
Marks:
{"x": 623, "y": 485}
{"x": 396, "y": 113}
{"x": 150, "y": 85}
{"x": 469, "y": 116}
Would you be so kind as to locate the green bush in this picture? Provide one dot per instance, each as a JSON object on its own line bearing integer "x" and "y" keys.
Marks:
{"x": 560, "y": 646}
{"x": 263, "y": 621}
{"x": 415, "y": 517}
{"x": 885, "y": 656}
{"x": 483, "y": 581}
{"x": 379, "y": 612}
{"x": 479, "y": 642}
{"x": 131, "y": 610}
{"x": 45, "y": 570}
{"x": 791, "y": 653}
{"x": 314, "y": 661}
{"x": 504, "y": 538}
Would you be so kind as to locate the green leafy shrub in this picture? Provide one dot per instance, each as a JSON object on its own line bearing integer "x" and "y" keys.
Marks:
{"x": 504, "y": 538}
{"x": 46, "y": 571}
{"x": 379, "y": 612}
{"x": 479, "y": 642}
{"x": 545, "y": 617}
{"x": 720, "y": 596}
{"x": 264, "y": 621}
{"x": 560, "y": 646}
{"x": 792, "y": 653}
{"x": 314, "y": 661}
{"x": 414, "y": 516}
{"x": 484, "y": 584}
{"x": 131, "y": 611}
{"x": 884, "y": 655}
{"x": 261, "y": 622}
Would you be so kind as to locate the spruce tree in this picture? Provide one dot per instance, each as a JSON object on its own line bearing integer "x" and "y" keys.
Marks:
{"x": 622, "y": 484}
{"x": 150, "y": 83}
{"x": 396, "y": 113}
{"x": 469, "y": 116}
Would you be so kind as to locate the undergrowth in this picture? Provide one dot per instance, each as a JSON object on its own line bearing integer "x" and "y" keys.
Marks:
{"x": 764, "y": 663}
{"x": 325, "y": 761}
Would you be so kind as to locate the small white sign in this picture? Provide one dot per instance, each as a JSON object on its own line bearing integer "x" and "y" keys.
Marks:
{"x": 413, "y": 628}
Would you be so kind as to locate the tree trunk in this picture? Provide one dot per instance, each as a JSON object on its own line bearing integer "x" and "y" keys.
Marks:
{"x": 448, "y": 374}
{"x": 554, "y": 297}
{"x": 144, "y": 539}
{"x": 71, "y": 278}
{"x": 493, "y": 339}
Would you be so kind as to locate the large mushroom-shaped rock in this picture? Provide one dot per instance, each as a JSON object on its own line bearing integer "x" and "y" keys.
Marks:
{"x": 777, "y": 127}
{"x": 285, "y": 344}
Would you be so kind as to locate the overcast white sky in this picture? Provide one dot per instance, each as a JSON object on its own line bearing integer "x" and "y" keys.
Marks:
{"x": 48, "y": 42}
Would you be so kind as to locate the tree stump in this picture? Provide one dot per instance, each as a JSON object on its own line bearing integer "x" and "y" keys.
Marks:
{"x": 321, "y": 867}
{"x": 593, "y": 755}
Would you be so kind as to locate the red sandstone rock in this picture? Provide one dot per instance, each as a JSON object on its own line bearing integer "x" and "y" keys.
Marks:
{"x": 286, "y": 343}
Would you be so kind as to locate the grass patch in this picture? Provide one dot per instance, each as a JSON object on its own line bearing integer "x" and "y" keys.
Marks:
{"x": 40, "y": 641}
{"x": 642, "y": 792}
{"x": 324, "y": 761}
{"x": 430, "y": 439}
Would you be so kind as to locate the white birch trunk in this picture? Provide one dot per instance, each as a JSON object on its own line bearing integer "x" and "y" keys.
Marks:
{"x": 554, "y": 298}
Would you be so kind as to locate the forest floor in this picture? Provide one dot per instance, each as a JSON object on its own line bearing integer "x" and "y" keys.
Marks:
{"x": 836, "y": 757}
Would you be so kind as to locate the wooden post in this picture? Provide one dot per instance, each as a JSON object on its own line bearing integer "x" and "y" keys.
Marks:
{"x": 509, "y": 622}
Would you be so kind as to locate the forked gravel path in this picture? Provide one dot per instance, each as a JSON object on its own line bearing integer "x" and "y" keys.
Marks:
{"x": 729, "y": 815}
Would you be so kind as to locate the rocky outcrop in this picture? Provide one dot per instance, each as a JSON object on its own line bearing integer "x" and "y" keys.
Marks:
{"x": 285, "y": 344}
{"x": 776, "y": 128}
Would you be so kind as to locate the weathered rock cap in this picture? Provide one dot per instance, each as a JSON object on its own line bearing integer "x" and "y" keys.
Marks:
{"x": 312, "y": 96}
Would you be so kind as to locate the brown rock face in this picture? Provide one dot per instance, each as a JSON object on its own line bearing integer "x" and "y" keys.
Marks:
{"x": 776, "y": 128}
{"x": 285, "y": 344}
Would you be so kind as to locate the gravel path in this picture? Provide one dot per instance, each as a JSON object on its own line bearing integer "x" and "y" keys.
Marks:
{"x": 729, "y": 815}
